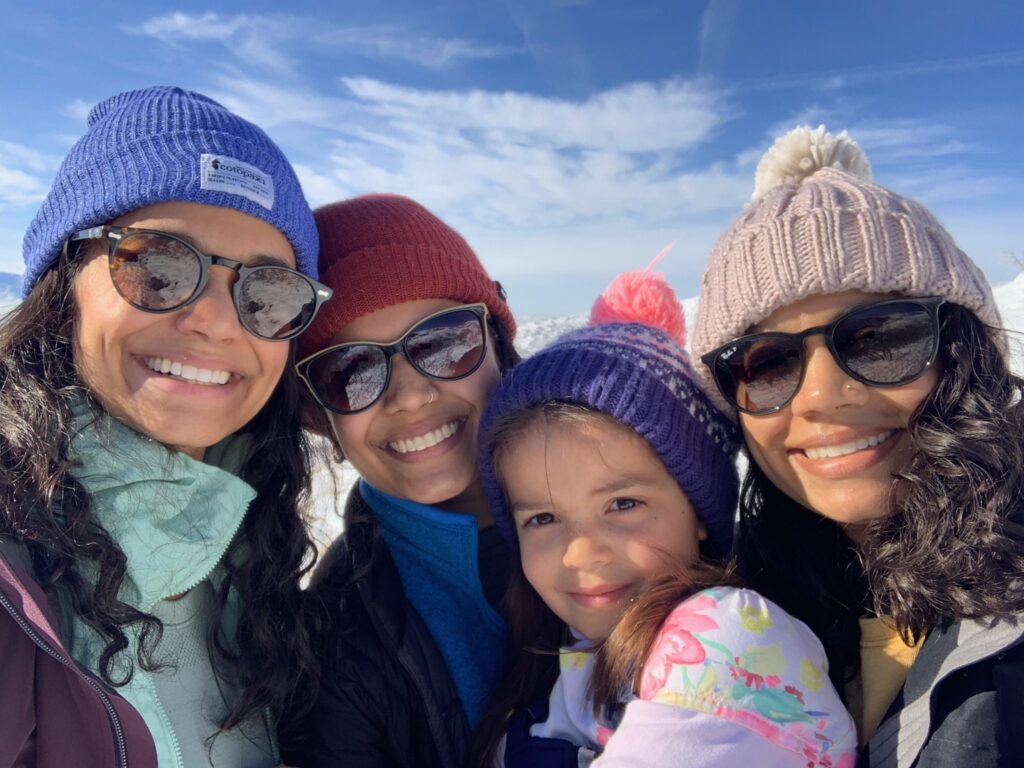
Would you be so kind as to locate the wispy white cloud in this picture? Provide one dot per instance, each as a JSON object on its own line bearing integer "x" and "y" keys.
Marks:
{"x": 78, "y": 110}
{"x": 182, "y": 26}
{"x": 922, "y": 158}
{"x": 831, "y": 80}
{"x": 28, "y": 158}
{"x": 18, "y": 188}
{"x": 274, "y": 41}
{"x": 271, "y": 104}
{"x": 516, "y": 159}
{"x": 716, "y": 25}
{"x": 391, "y": 42}
{"x": 24, "y": 174}
{"x": 640, "y": 117}
{"x": 256, "y": 40}
{"x": 626, "y": 160}
{"x": 885, "y": 140}
{"x": 946, "y": 184}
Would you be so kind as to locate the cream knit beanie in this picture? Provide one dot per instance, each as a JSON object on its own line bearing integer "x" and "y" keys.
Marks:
{"x": 818, "y": 225}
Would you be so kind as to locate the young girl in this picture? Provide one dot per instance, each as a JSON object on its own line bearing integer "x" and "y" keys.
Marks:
{"x": 152, "y": 459}
{"x": 613, "y": 475}
{"x": 863, "y": 352}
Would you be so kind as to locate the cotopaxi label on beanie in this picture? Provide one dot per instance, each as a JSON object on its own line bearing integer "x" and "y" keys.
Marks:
{"x": 221, "y": 173}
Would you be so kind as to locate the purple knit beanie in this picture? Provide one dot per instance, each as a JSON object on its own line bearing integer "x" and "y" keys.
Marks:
{"x": 165, "y": 144}
{"x": 641, "y": 376}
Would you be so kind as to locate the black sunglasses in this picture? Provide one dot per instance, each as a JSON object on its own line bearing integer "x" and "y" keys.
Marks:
{"x": 884, "y": 344}
{"x": 447, "y": 345}
{"x": 159, "y": 272}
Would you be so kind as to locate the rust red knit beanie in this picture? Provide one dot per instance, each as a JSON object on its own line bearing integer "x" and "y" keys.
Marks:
{"x": 380, "y": 250}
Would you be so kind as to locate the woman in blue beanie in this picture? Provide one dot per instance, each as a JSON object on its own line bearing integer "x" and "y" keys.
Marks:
{"x": 152, "y": 458}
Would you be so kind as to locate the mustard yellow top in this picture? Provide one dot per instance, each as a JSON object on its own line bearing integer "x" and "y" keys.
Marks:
{"x": 884, "y": 662}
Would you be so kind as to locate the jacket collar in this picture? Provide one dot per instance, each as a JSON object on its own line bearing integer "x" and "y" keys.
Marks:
{"x": 901, "y": 736}
{"x": 172, "y": 516}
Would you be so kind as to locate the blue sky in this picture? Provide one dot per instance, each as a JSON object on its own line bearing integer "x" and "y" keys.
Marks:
{"x": 567, "y": 140}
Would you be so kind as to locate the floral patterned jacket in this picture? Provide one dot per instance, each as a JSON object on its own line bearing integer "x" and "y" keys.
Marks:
{"x": 731, "y": 680}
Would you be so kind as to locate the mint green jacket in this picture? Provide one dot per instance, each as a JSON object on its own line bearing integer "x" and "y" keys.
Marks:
{"x": 175, "y": 518}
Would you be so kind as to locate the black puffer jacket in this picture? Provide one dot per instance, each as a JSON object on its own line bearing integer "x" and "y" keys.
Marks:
{"x": 962, "y": 705}
{"x": 386, "y": 698}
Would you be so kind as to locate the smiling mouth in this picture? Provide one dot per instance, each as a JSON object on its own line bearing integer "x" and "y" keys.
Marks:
{"x": 428, "y": 440}
{"x": 601, "y": 598}
{"x": 189, "y": 373}
{"x": 845, "y": 449}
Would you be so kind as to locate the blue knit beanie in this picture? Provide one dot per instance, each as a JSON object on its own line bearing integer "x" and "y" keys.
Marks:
{"x": 165, "y": 144}
{"x": 641, "y": 376}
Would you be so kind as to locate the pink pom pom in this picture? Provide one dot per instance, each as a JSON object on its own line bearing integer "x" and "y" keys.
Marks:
{"x": 641, "y": 297}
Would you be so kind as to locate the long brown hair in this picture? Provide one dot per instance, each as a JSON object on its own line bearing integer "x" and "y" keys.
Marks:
{"x": 536, "y": 634}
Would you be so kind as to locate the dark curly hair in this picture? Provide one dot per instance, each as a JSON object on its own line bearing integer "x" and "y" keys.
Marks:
{"x": 45, "y": 509}
{"x": 952, "y": 545}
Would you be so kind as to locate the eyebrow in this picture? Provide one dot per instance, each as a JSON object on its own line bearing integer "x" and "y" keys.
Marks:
{"x": 628, "y": 481}
{"x": 258, "y": 260}
{"x": 632, "y": 481}
{"x": 525, "y": 507}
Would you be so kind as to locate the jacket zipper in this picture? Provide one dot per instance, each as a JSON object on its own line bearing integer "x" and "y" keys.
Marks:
{"x": 119, "y": 739}
{"x": 220, "y": 556}
{"x": 147, "y": 677}
{"x": 179, "y": 758}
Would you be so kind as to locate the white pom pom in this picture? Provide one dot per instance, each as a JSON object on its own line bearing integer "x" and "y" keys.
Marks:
{"x": 803, "y": 151}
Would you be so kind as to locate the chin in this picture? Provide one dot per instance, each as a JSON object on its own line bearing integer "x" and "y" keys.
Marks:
{"x": 432, "y": 495}
{"x": 850, "y": 512}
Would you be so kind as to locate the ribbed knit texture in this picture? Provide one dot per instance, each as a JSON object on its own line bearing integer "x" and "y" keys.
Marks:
{"x": 827, "y": 233}
{"x": 144, "y": 147}
{"x": 639, "y": 375}
{"x": 382, "y": 250}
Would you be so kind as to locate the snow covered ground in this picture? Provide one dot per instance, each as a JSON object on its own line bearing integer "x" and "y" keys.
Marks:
{"x": 331, "y": 478}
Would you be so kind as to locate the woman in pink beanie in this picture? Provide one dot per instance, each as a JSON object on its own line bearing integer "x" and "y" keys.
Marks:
{"x": 400, "y": 365}
{"x": 862, "y": 352}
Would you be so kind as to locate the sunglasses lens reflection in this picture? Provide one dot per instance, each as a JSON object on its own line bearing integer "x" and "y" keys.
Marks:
{"x": 770, "y": 373}
{"x": 885, "y": 344}
{"x": 891, "y": 344}
{"x": 446, "y": 346}
{"x": 351, "y": 379}
{"x": 275, "y": 303}
{"x": 158, "y": 273}
{"x": 155, "y": 272}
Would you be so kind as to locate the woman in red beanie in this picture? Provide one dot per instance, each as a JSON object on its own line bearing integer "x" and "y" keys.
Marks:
{"x": 400, "y": 365}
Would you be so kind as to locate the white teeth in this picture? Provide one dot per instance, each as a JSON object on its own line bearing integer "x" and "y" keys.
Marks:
{"x": 422, "y": 442}
{"x": 187, "y": 372}
{"x": 834, "y": 451}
